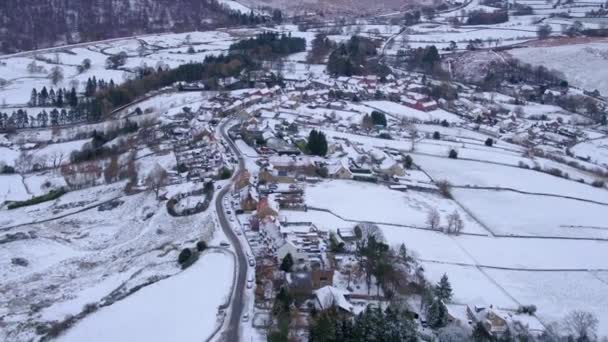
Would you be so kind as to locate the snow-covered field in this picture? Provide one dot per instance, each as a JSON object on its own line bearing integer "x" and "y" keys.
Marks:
{"x": 351, "y": 200}
{"x": 590, "y": 75}
{"x": 182, "y": 307}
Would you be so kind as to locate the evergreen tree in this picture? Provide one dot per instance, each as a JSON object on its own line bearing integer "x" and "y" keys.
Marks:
{"x": 443, "y": 289}
{"x": 408, "y": 162}
{"x": 378, "y": 118}
{"x": 317, "y": 143}
{"x": 43, "y": 97}
{"x": 34, "y": 98}
{"x": 59, "y": 101}
{"x": 437, "y": 314}
{"x": 286, "y": 263}
{"x": 73, "y": 98}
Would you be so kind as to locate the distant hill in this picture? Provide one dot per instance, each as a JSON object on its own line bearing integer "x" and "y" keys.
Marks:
{"x": 35, "y": 24}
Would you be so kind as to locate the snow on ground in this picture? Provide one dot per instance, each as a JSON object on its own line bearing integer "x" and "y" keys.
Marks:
{"x": 12, "y": 188}
{"x": 400, "y": 111}
{"x": 473, "y": 173}
{"x": 590, "y": 75}
{"x": 595, "y": 150}
{"x": 182, "y": 307}
{"x": 469, "y": 285}
{"x": 557, "y": 293}
{"x": 351, "y": 200}
{"x": 528, "y": 214}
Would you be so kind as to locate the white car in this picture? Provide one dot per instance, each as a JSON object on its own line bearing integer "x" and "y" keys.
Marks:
{"x": 249, "y": 284}
{"x": 246, "y": 317}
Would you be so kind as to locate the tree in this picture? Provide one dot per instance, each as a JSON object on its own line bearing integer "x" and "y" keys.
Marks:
{"x": 443, "y": 289}
{"x": 543, "y": 31}
{"x": 408, "y": 162}
{"x": 201, "y": 246}
{"x": 184, "y": 256}
{"x": 56, "y": 75}
{"x": 433, "y": 219}
{"x": 455, "y": 223}
{"x": 453, "y": 154}
{"x": 581, "y": 325}
{"x": 437, "y": 314}
{"x": 157, "y": 179}
{"x": 116, "y": 61}
{"x": 286, "y": 263}
{"x": 367, "y": 123}
{"x": 317, "y": 143}
{"x": 436, "y": 135}
{"x": 33, "y": 98}
{"x": 489, "y": 142}
{"x": 378, "y": 118}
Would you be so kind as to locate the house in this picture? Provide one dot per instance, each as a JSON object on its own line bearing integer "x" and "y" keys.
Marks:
{"x": 493, "y": 323}
{"x": 329, "y": 296}
{"x": 339, "y": 170}
{"x": 347, "y": 234}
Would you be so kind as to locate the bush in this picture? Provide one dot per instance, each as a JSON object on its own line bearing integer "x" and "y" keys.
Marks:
{"x": 201, "y": 246}
{"x": 408, "y": 162}
{"x": 436, "y": 135}
{"x": 598, "y": 183}
{"x": 453, "y": 154}
{"x": 444, "y": 188}
{"x": 526, "y": 309}
{"x": 225, "y": 173}
{"x": 489, "y": 142}
{"x": 184, "y": 256}
{"x": 51, "y": 195}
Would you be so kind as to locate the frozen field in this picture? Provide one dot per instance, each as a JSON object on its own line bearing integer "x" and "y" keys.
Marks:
{"x": 472, "y": 173}
{"x": 182, "y": 307}
{"x": 557, "y": 293}
{"x": 590, "y": 75}
{"x": 595, "y": 150}
{"x": 406, "y": 208}
{"x": 534, "y": 215}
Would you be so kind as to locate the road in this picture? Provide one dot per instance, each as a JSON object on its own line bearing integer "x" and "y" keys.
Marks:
{"x": 231, "y": 331}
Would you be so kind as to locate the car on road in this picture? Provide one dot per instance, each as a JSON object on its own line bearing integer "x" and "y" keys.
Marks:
{"x": 251, "y": 262}
{"x": 224, "y": 244}
{"x": 219, "y": 187}
{"x": 231, "y": 219}
{"x": 249, "y": 284}
{"x": 238, "y": 232}
{"x": 246, "y": 317}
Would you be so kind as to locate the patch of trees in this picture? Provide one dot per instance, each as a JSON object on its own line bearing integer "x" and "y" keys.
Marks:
{"x": 29, "y": 26}
{"x": 213, "y": 68}
{"x": 544, "y": 31}
{"x": 96, "y": 149}
{"x": 321, "y": 47}
{"x": 521, "y": 9}
{"x": 267, "y": 45}
{"x": 317, "y": 143}
{"x": 351, "y": 58}
{"x": 373, "y": 324}
{"x": 425, "y": 59}
{"x": 60, "y": 98}
{"x": 513, "y": 71}
{"x": 481, "y": 17}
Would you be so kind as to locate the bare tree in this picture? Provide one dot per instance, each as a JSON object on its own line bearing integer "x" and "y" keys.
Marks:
{"x": 413, "y": 132}
{"x": 433, "y": 219}
{"x": 57, "y": 158}
{"x": 157, "y": 179}
{"x": 56, "y": 75}
{"x": 455, "y": 223}
{"x": 581, "y": 325}
{"x": 444, "y": 188}
{"x": 24, "y": 162}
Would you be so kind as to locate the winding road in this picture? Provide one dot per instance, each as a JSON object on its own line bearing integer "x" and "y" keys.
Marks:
{"x": 231, "y": 330}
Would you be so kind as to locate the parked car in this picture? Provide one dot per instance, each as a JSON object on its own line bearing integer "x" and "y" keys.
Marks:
{"x": 246, "y": 317}
{"x": 224, "y": 244}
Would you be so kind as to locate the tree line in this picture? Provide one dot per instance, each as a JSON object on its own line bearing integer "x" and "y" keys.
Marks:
{"x": 267, "y": 45}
